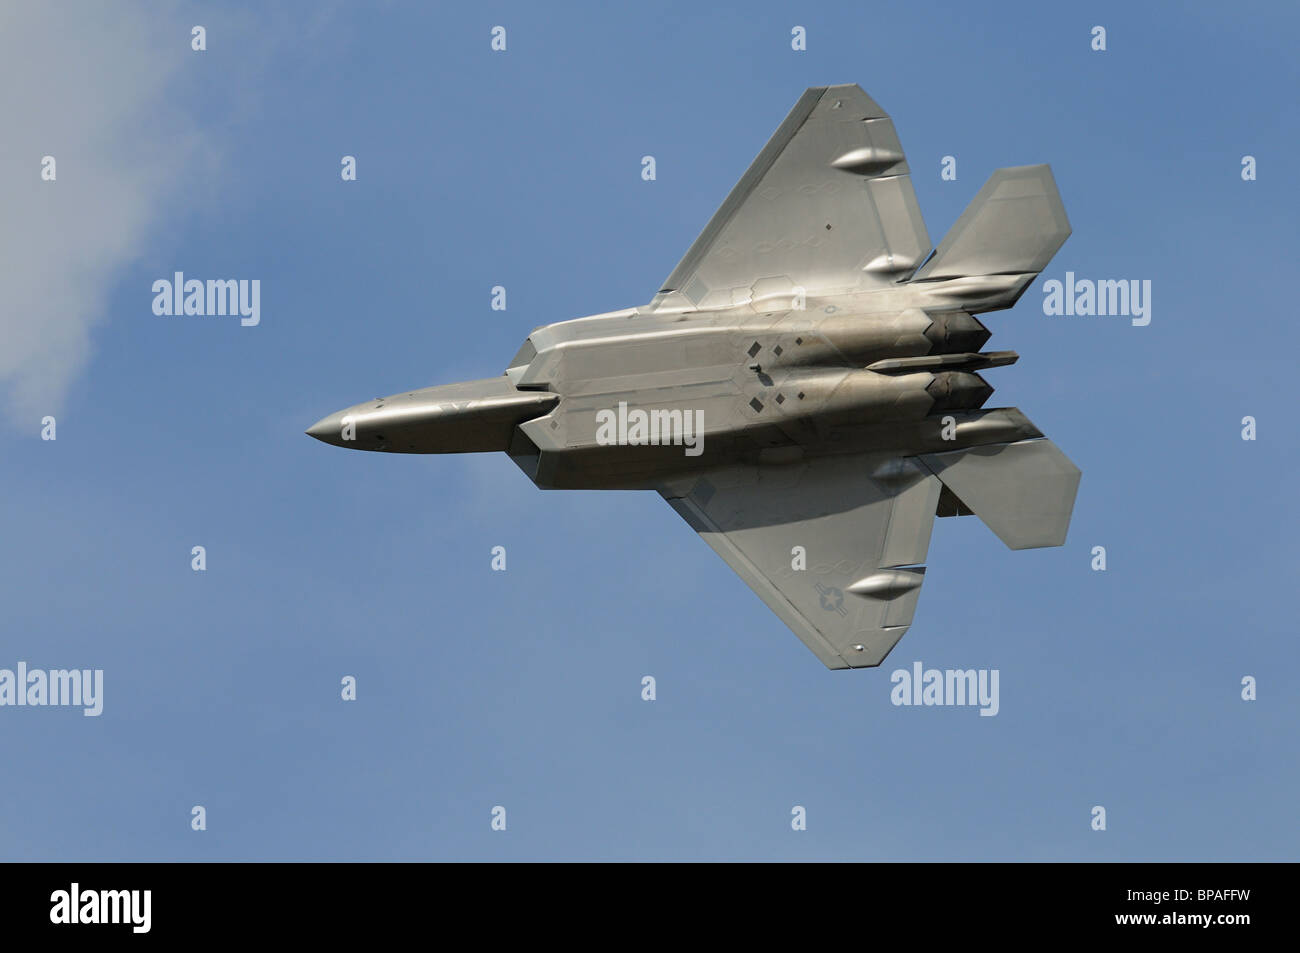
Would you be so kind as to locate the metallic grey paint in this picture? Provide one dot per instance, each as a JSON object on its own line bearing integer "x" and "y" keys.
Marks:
{"x": 831, "y": 363}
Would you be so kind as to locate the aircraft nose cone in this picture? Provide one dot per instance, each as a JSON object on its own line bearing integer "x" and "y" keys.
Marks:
{"x": 327, "y": 429}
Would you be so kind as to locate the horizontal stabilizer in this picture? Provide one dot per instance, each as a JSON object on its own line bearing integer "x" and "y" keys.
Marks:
{"x": 1023, "y": 491}
{"x": 1013, "y": 226}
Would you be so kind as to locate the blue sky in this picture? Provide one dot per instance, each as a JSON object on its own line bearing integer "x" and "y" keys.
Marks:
{"x": 522, "y": 689}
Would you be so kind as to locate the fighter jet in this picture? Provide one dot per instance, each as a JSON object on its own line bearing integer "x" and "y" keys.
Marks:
{"x": 803, "y": 390}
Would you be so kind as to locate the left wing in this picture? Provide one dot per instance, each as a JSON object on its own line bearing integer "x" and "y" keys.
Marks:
{"x": 827, "y": 206}
{"x": 861, "y": 526}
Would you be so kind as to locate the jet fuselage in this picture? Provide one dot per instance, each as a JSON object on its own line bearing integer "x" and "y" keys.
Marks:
{"x": 801, "y": 377}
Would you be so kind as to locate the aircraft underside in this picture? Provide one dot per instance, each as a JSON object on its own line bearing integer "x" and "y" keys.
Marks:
{"x": 805, "y": 389}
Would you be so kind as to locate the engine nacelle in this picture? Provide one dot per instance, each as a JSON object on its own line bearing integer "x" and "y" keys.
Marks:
{"x": 865, "y": 338}
{"x": 857, "y": 394}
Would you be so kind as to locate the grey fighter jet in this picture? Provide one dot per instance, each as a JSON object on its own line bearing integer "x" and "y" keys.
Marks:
{"x": 804, "y": 388}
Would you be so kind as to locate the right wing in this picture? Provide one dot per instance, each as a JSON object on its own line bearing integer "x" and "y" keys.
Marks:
{"x": 834, "y": 544}
{"x": 861, "y": 525}
{"x": 827, "y": 206}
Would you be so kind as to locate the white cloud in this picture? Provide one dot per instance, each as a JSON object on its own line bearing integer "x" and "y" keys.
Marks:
{"x": 93, "y": 85}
